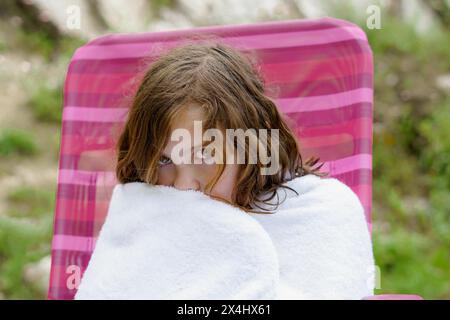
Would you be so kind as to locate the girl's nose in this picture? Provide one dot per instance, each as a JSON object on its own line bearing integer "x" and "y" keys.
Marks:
{"x": 185, "y": 180}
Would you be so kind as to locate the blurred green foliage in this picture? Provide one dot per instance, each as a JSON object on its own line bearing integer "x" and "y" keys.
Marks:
{"x": 30, "y": 202}
{"x": 160, "y": 4}
{"x": 22, "y": 243}
{"x": 411, "y": 155}
{"x": 46, "y": 104}
{"x": 411, "y": 160}
{"x": 2, "y": 46}
{"x": 14, "y": 141}
{"x": 25, "y": 239}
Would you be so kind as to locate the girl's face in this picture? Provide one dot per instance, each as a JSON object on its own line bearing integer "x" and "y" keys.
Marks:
{"x": 194, "y": 176}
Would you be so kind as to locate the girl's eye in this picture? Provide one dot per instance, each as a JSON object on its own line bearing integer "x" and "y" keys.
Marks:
{"x": 207, "y": 154}
{"x": 200, "y": 154}
{"x": 164, "y": 161}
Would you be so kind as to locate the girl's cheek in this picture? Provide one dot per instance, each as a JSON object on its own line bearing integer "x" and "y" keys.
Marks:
{"x": 203, "y": 173}
{"x": 166, "y": 175}
{"x": 226, "y": 183}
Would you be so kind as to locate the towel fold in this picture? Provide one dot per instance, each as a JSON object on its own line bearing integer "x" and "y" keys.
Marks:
{"x": 158, "y": 242}
{"x": 322, "y": 239}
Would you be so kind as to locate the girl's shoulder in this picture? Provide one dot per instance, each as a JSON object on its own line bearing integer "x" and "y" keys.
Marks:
{"x": 312, "y": 191}
{"x": 320, "y": 190}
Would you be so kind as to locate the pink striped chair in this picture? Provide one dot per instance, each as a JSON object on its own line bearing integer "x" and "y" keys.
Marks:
{"x": 322, "y": 69}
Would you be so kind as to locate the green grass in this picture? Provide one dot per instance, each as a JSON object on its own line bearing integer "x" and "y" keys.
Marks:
{"x": 25, "y": 237}
{"x": 46, "y": 104}
{"x": 36, "y": 42}
{"x": 411, "y": 161}
{"x": 411, "y": 156}
{"x": 31, "y": 202}
{"x": 2, "y": 46}
{"x": 413, "y": 263}
{"x": 49, "y": 49}
{"x": 436, "y": 133}
{"x": 14, "y": 141}
{"x": 159, "y": 4}
{"x": 22, "y": 243}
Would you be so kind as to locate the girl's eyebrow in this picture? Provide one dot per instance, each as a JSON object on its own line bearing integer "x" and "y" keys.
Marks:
{"x": 192, "y": 148}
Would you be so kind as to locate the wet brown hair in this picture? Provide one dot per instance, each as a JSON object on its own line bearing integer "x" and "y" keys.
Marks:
{"x": 227, "y": 84}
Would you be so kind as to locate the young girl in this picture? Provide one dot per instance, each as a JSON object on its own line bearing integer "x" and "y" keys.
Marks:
{"x": 215, "y": 84}
{"x": 316, "y": 224}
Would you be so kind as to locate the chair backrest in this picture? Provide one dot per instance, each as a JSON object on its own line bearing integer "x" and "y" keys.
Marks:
{"x": 322, "y": 70}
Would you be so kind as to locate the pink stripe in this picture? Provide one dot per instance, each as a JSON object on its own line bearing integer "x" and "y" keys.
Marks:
{"x": 331, "y": 141}
{"x": 76, "y": 144}
{"x": 75, "y": 243}
{"x": 88, "y": 178}
{"x": 317, "y": 69}
{"x": 258, "y": 42}
{"x": 101, "y": 82}
{"x": 287, "y": 105}
{"x": 79, "y": 209}
{"x": 326, "y": 102}
{"x": 359, "y": 128}
{"x": 361, "y": 161}
{"x": 71, "y": 113}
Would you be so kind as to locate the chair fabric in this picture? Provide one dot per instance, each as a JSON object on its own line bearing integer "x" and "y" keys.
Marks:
{"x": 319, "y": 72}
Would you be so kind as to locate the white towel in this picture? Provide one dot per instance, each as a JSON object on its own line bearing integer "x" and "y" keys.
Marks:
{"x": 158, "y": 242}
{"x": 322, "y": 240}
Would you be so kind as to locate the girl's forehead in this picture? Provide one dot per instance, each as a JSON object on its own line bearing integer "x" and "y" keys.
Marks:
{"x": 188, "y": 114}
{"x": 185, "y": 119}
